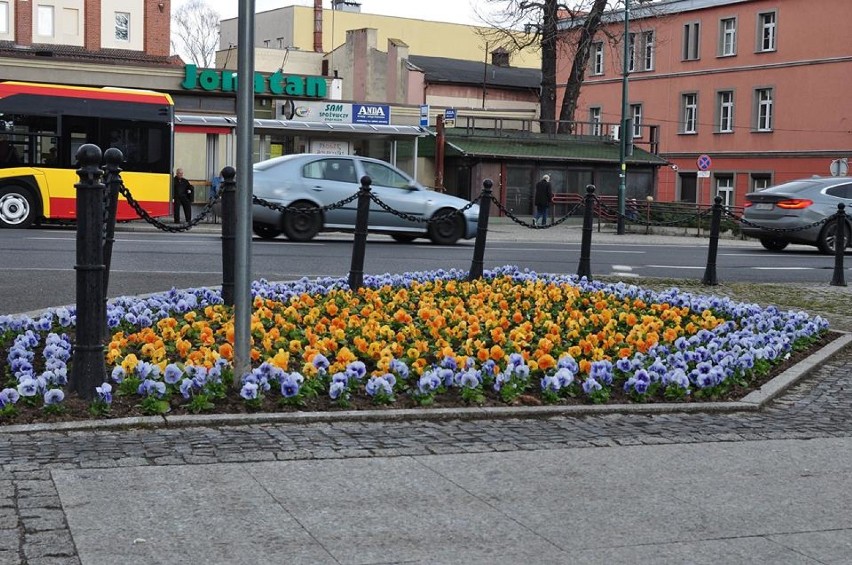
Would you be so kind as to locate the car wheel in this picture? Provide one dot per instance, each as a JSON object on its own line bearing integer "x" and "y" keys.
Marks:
{"x": 17, "y": 207}
{"x": 265, "y": 231}
{"x": 300, "y": 224}
{"x": 827, "y": 237}
{"x": 773, "y": 244}
{"x": 403, "y": 237}
{"x": 447, "y": 231}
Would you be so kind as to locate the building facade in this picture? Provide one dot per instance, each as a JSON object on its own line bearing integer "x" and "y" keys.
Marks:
{"x": 758, "y": 86}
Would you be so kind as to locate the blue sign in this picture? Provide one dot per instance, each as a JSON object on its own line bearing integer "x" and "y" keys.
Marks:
{"x": 370, "y": 114}
{"x": 424, "y": 115}
{"x": 450, "y": 114}
{"x": 703, "y": 163}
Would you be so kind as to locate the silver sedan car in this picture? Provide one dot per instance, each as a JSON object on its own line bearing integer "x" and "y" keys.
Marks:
{"x": 313, "y": 180}
{"x": 794, "y": 207}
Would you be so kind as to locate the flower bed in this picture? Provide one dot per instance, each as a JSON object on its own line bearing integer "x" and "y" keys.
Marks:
{"x": 406, "y": 340}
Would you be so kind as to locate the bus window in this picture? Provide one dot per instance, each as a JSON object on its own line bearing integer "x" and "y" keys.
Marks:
{"x": 27, "y": 138}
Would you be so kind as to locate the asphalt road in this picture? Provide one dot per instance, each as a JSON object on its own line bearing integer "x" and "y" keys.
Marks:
{"x": 38, "y": 265}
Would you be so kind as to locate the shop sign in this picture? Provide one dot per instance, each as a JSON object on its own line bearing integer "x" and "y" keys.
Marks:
{"x": 370, "y": 114}
{"x": 276, "y": 84}
{"x": 329, "y": 112}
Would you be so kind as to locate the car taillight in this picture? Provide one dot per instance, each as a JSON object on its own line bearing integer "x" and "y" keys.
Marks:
{"x": 748, "y": 203}
{"x": 794, "y": 203}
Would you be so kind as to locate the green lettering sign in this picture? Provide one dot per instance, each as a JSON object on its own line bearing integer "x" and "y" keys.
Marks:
{"x": 277, "y": 83}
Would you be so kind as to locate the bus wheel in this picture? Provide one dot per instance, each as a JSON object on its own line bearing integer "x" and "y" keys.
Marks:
{"x": 17, "y": 208}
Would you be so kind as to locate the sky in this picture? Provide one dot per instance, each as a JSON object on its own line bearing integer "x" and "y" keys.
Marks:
{"x": 454, "y": 11}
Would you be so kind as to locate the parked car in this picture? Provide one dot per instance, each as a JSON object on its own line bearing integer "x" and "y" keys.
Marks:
{"x": 311, "y": 180}
{"x": 795, "y": 204}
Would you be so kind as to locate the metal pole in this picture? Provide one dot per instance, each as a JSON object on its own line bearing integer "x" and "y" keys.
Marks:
{"x": 622, "y": 146}
{"x": 113, "y": 158}
{"x": 356, "y": 269}
{"x": 710, "y": 270}
{"x": 838, "y": 278}
{"x": 245, "y": 137}
{"x": 229, "y": 229}
{"x": 89, "y": 369}
{"x": 585, "y": 268}
{"x": 476, "y": 266}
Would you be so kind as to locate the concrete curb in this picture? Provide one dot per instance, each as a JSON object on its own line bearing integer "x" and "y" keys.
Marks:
{"x": 752, "y": 402}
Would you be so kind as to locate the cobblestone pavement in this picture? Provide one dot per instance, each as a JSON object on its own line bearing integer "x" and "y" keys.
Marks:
{"x": 33, "y": 528}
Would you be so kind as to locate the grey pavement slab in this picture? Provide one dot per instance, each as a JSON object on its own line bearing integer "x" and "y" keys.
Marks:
{"x": 783, "y": 501}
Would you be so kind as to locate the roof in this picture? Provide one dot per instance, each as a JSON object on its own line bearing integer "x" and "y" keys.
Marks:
{"x": 541, "y": 147}
{"x": 457, "y": 71}
{"x": 653, "y": 10}
{"x": 76, "y": 53}
{"x": 305, "y": 127}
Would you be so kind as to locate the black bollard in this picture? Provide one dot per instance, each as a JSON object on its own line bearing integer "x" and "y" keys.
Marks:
{"x": 229, "y": 233}
{"x": 89, "y": 368}
{"x": 112, "y": 181}
{"x": 476, "y": 265}
{"x": 838, "y": 279}
{"x": 710, "y": 271}
{"x": 356, "y": 270}
{"x": 585, "y": 268}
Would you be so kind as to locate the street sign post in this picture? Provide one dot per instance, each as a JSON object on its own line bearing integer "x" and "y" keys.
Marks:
{"x": 424, "y": 115}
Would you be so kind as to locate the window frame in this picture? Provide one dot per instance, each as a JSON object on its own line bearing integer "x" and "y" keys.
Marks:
{"x": 597, "y": 58}
{"x": 764, "y": 26}
{"x": 759, "y": 178}
{"x": 648, "y": 50}
{"x": 43, "y": 11}
{"x": 721, "y": 106}
{"x": 4, "y": 17}
{"x": 728, "y": 192}
{"x": 126, "y": 27}
{"x": 691, "y": 41}
{"x": 689, "y": 113}
{"x": 724, "y": 34}
{"x": 764, "y": 122}
{"x": 595, "y": 120}
{"x": 636, "y": 115}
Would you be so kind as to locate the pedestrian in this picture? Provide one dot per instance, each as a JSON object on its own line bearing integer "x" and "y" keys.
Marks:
{"x": 183, "y": 192}
{"x": 543, "y": 196}
{"x": 632, "y": 210}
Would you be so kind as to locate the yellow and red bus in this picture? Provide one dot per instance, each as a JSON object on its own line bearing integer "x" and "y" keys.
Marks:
{"x": 43, "y": 125}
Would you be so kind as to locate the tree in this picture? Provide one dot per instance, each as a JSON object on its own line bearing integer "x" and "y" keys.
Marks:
{"x": 195, "y": 33}
{"x": 540, "y": 21}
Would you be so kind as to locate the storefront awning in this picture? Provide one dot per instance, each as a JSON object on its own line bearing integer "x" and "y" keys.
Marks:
{"x": 304, "y": 127}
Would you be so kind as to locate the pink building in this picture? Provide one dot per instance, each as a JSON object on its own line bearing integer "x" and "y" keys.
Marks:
{"x": 762, "y": 87}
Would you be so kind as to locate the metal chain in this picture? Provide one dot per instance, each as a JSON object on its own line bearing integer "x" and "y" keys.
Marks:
{"x": 418, "y": 219}
{"x": 778, "y": 230}
{"x": 208, "y": 207}
{"x": 509, "y": 214}
{"x": 306, "y": 209}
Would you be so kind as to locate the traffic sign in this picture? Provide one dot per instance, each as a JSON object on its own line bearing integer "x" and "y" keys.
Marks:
{"x": 839, "y": 167}
{"x": 703, "y": 174}
{"x": 704, "y": 163}
{"x": 450, "y": 118}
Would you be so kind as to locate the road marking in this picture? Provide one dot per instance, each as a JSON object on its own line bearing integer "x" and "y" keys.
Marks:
{"x": 622, "y": 268}
{"x": 672, "y": 267}
{"x": 784, "y": 268}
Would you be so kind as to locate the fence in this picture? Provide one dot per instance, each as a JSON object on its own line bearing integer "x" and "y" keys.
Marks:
{"x": 96, "y": 205}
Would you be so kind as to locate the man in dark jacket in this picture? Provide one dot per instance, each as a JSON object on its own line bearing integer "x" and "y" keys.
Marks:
{"x": 183, "y": 195}
{"x": 543, "y": 196}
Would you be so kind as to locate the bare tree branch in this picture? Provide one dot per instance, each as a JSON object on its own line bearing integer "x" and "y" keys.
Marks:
{"x": 195, "y": 33}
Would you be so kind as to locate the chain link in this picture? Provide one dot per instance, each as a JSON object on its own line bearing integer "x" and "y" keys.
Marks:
{"x": 743, "y": 221}
{"x": 208, "y": 207}
{"x": 306, "y": 209}
{"x": 509, "y": 214}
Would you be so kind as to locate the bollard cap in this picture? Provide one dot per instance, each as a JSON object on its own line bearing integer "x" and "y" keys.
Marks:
{"x": 113, "y": 157}
{"x": 718, "y": 199}
{"x": 487, "y": 184}
{"x": 366, "y": 181}
{"x": 229, "y": 172}
{"x": 590, "y": 188}
{"x": 89, "y": 155}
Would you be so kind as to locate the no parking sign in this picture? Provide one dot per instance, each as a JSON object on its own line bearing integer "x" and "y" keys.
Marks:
{"x": 704, "y": 162}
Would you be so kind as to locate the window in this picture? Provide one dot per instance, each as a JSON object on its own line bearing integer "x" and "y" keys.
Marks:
{"x": 725, "y": 111}
{"x": 648, "y": 49}
{"x": 339, "y": 170}
{"x": 122, "y": 26}
{"x": 725, "y": 189}
{"x": 595, "y": 120}
{"x": 728, "y": 37}
{"x": 763, "y": 109}
{"x": 383, "y": 175}
{"x": 4, "y": 17}
{"x": 597, "y": 58}
{"x": 691, "y": 41}
{"x": 45, "y": 21}
{"x": 689, "y": 111}
{"x": 631, "y": 52}
{"x": 766, "y": 28}
{"x": 636, "y": 114}
{"x": 760, "y": 181}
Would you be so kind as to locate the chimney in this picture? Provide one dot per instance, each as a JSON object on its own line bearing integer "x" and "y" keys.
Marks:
{"x": 500, "y": 57}
{"x": 318, "y": 26}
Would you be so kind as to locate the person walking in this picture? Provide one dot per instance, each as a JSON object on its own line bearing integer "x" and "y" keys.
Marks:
{"x": 543, "y": 196}
{"x": 183, "y": 192}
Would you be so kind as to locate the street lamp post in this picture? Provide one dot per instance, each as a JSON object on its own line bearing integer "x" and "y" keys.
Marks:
{"x": 622, "y": 150}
